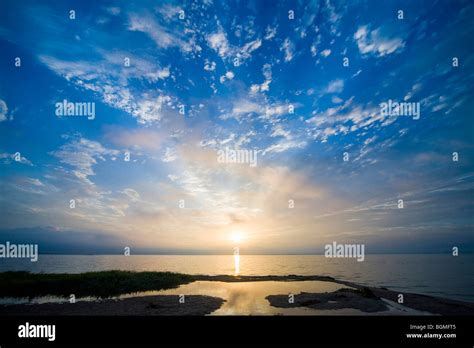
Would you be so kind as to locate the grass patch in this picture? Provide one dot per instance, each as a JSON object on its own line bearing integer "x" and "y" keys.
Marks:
{"x": 99, "y": 284}
{"x": 365, "y": 292}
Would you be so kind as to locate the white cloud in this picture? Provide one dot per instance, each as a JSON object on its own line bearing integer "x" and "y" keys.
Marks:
{"x": 250, "y": 47}
{"x": 267, "y": 73}
{"x": 357, "y": 73}
{"x": 288, "y": 47}
{"x": 113, "y": 86}
{"x": 229, "y": 75}
{"x": 335, "y": 86}
{"x": 245, "y": 106}
{"x": 114, "y": 10}
{"x": 218, "y": 42}
{"x": 160, "y": 35}
{"x": 110, "y": 68}
{"x": 326, "y": 52}
{"x": 149, "y": 110}
{"x": 132, "y": 194}
{"x": 278, "y": 131}
{"x": 210, "y": 66}
{"x": 160, "y": 74}
{"x": 270, "y": 33}
{"x": 194, "y": 181}
{"x": 265, "y": 86}
{"x": 168, "y": 11}
{"x": 229, "y": 139}
{"x": 139, "y": 68}
{"x": 173, "y": 177}
{"x": 415, "y": 89}
{"x": 213, "y": 87}
{"x": 287, "y": 142}
{"x": 245, "y": 139}
{"x": 254, "y": 88}
{"x": 170, "y": 155}
{"x": 3, "y": 111}
{"x": 82, "y": 154}
{"x": 241, "y": 108}
{"x": 12, "y": 157}
{"x": 285, "y": 145}
{"x": 374, "y": 42}
{"x": 336, "y": 99}
{"x": 347, "y": 118}
{"x": 276, "y": 110}
{"x": 34, "y": 182}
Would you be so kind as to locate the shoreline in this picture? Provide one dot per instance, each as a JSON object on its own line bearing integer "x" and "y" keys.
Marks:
{"x": 122, "y": 282}
{"x": 166, "y": 305}
{"x": 432, "y": 304}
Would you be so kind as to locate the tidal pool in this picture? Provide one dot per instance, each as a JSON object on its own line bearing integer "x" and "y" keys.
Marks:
{"x": 248, "y": 298}
{"x": 244, "y": 298}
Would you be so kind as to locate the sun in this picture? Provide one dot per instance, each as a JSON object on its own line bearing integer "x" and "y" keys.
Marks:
{"x": 236, "y": 237}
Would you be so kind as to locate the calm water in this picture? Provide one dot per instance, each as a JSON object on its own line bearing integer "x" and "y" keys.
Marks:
{"x": 244, "y": 298}
{"x": 249, "y": 298}
{"x": 437, "y": 275}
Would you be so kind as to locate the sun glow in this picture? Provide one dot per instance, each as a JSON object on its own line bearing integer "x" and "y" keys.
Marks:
{"x": 237, "y": 237}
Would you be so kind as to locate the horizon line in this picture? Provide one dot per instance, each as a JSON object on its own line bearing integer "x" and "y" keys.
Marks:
{"x": 251, "y": 254}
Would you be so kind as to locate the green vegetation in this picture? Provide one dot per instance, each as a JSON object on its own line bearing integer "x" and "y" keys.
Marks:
{"x": 98, "y": 284}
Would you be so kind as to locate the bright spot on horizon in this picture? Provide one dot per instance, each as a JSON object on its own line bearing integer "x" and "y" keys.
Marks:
{"x": 236, "y": 237}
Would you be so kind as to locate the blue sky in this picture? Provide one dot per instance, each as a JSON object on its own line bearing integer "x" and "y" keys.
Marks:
{"x": 238, "y": 69}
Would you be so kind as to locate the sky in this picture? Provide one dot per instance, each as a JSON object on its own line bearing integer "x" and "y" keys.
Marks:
{"x": 298, "y": 83}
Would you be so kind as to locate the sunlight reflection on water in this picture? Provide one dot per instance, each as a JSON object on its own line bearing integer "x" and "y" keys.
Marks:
{"x": 237, "y": 264}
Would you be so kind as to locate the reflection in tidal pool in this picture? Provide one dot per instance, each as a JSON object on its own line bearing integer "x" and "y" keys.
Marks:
{"x": 248, "y": 298}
